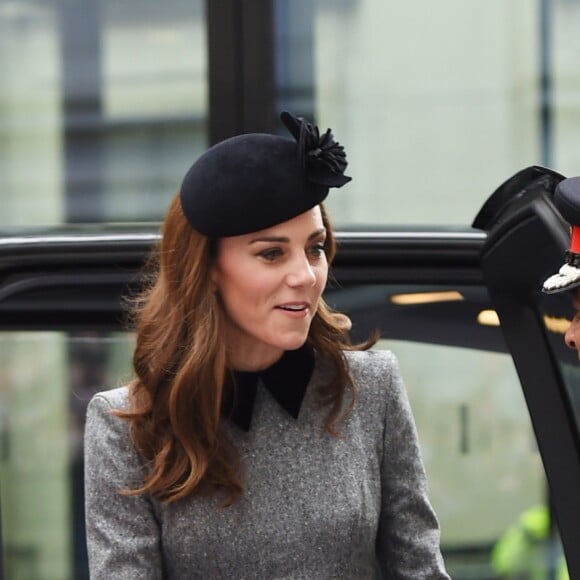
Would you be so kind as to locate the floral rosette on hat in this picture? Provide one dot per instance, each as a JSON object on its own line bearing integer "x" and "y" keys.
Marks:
{"x": 323, "y": 158}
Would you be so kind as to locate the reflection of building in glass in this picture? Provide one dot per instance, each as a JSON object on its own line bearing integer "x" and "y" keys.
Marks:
{"x": 116, "y": 108}
{"x": 47, "y": 381}
{"x": 105, "y": 100}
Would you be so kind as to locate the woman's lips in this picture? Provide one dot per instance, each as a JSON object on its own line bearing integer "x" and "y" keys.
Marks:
{"x": 294, "y": 309}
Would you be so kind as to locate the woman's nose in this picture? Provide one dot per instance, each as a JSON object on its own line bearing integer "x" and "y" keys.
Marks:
{"x": 301, "y": 273}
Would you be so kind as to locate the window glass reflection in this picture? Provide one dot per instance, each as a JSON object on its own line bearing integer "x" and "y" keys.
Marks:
{"x": 435, "y": 107}
{"x": 47, "y": 380}
{"x": 154, "y": 67}
{"x": 102, "y": 108}
{"x": 479, "y": 449}
{"x": 30, "y": 119}
{"x": 154, "y": 59}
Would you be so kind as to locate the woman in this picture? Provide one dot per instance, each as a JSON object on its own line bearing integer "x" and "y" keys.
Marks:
{"x": 255, "y": 440}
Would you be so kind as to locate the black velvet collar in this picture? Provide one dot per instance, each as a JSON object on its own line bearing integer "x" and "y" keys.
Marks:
{"x": 286, "y": 380}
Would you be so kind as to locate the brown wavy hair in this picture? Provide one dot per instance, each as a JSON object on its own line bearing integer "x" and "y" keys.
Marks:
{"x": 180, "y": 367}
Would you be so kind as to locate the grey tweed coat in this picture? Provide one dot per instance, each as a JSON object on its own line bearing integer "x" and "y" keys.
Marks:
{"x": 315, "y": 506}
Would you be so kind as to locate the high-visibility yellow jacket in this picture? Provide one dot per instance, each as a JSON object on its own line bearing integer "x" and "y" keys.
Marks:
{"x": 527, "y": 549}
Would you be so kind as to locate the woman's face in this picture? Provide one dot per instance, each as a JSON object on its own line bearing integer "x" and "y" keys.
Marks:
{"x": 269, "y": 283}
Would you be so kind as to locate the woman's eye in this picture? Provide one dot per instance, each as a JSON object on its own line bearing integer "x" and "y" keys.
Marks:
{"x": 270, "y": 254}
{"x": 317, "y": 250}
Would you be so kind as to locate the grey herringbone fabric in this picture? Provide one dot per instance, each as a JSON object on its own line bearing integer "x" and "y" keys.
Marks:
{"x": 315, "y": 506}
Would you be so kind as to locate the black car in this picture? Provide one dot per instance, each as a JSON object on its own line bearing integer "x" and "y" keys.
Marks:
{"x": 495, "y": 392}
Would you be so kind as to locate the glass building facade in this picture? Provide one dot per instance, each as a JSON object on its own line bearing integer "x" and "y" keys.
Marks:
{"x": 103, "y": 105}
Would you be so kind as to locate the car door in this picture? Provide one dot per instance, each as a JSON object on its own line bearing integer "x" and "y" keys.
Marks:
{"x": 526, "y": 242}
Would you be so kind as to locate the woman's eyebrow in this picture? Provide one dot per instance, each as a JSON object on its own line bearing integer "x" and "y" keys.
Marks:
{"x": 285, "y": 239}
{"x": 278, "y": 239}
{"x": 317, "y": 233}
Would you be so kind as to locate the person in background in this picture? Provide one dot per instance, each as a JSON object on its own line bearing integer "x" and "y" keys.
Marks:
{"x": 567, "y": 279}
{"x": 529, "y": 549}
{"x": 255, "y": 441}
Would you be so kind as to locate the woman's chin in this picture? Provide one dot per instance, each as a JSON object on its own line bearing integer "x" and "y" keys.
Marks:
{"x": 294, "y": 342}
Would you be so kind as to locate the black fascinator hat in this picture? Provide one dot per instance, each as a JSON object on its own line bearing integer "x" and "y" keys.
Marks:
{"x": 255, "y": 181}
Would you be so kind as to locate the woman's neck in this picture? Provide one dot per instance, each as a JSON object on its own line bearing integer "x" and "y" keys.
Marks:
{"x": 253, "y": 361}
